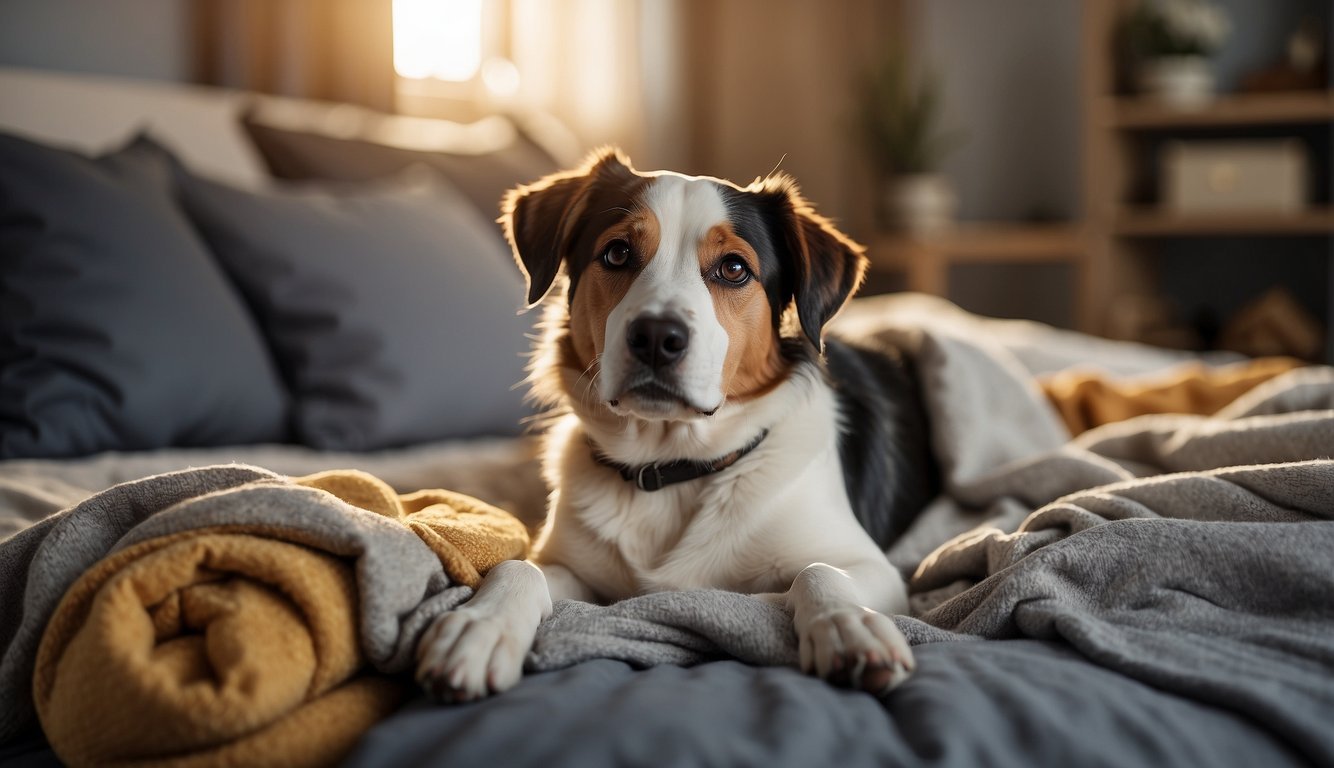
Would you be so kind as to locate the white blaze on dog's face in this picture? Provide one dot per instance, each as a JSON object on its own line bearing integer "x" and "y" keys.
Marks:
{"x": 673, "y": 350}
{"x": 677, "y": 285}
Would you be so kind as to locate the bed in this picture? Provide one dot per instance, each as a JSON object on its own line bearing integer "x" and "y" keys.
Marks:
{"x": 1154, "y": 591}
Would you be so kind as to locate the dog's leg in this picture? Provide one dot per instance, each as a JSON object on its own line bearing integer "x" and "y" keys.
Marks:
{"x": 843, "y": 633}
{"x": 478, "y": 648}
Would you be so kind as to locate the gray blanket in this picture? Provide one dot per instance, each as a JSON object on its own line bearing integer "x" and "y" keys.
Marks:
{"x": 1192, "y": 554}
{"x": 1157, "y": 592}
{"x": 400, "y": 581}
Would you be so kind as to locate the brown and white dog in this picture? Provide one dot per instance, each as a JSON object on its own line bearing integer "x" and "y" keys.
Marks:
{"x": 704, "y": 440}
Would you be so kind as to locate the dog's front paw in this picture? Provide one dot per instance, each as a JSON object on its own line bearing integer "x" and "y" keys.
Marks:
{"x": 468, "y": 654}
{"x": 857, "y": 648}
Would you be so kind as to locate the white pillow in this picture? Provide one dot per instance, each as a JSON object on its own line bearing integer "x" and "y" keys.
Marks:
{"x": 96, "y": 114}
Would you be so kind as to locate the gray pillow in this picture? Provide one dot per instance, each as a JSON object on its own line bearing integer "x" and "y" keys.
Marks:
{"x": 118, "y": 331}
{"x": 325, "y": 151}
{"x": 392, "y": 307}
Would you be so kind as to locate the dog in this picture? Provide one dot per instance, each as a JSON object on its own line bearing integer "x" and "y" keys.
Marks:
{"x": 707, "y": 434}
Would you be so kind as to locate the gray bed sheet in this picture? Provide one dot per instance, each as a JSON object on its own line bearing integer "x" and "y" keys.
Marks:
{"x": 501, "y": 471}
{"x": 996, "y": 703}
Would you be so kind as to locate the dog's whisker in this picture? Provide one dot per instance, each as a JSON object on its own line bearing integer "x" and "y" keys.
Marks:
{"x": 597, "y": 362}
{"x": 586, "y": 390}
{"x": 590, "y": 390}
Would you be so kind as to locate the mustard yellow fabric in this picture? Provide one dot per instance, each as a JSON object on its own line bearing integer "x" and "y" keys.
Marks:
{"x": 1086, "y": 400}
{"x": 468, "y": 535}
{"x": 234, "y": 647}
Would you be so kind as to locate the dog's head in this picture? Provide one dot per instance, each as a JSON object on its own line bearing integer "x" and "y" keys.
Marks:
{"x": 679, "y": 289}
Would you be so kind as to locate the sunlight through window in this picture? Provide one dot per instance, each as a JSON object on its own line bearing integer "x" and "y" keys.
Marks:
{"x": 438, "y": 38}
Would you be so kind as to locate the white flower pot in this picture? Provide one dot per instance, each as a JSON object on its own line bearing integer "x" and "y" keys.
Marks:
{"x": 1182, "y": 82}
{"x": 920, "y": 203}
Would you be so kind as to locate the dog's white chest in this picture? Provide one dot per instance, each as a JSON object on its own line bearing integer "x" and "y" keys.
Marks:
{"x": 747, "y": 528}
{"x": 666, "y": 540}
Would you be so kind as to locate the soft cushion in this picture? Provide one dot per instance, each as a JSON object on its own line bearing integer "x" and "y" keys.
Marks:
{"x": 96, "y": 114}
{"x": 482, "y": 160}
{"x": 393, "y": 307}
{"x": 117, "y": 329}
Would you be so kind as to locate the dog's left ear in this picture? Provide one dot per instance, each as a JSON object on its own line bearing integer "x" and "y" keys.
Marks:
{"x": 825, "y": 265}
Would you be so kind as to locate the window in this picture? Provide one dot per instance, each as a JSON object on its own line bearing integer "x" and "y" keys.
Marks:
{"x": 439, "y": 39}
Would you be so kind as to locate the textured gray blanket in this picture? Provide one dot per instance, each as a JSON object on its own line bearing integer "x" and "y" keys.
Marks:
{"x": 1216, "y": 586}
{"x": 1192, "y": 554}
{"x": 400, "y": 581}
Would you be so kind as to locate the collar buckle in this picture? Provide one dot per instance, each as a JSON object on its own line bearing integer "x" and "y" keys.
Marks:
{"x": 649, "y": 482}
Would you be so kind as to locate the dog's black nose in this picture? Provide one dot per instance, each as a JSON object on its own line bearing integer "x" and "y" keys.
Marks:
{"x": 657, "y": 341}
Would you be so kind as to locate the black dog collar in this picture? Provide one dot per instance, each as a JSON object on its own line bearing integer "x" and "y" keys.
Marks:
{"x": 653, "y": 477}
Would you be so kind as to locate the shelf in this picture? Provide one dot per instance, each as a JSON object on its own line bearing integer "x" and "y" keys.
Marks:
{"x": 927, "y": 258}
{"x": 1294, "y": 107}
{"x": 982, "y": 243}
{"x": 1149, "y": 223}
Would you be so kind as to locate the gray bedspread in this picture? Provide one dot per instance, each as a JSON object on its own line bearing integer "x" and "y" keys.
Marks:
{"x": 1184, "y": 559}
{"x": 1020, "y": 703}
{"x": 1156, "y": 592}
{"x": 501, "y": 471}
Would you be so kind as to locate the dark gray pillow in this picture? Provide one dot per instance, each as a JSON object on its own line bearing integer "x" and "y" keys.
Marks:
{"x": 392, "y": 307}
{"x": 118, "y": 331}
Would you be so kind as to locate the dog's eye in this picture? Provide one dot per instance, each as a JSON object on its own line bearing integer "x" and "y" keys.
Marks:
{"x": 733, "y": 269}
{"x": 616, "y": 255}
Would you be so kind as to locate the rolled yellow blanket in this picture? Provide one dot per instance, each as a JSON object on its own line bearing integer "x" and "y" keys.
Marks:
{"x": 208, "y": 648}
{"x": 233, "y": 646}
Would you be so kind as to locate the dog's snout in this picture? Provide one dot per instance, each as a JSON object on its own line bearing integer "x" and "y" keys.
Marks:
{"x": 657, "y": 341}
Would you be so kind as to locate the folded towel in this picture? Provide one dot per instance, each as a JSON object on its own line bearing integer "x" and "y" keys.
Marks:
{"x": 227, "y": 615}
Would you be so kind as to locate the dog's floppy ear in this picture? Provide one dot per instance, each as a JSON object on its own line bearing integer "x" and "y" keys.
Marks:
{"x": 825, "y": 266}
{"x": 541, "y": 219}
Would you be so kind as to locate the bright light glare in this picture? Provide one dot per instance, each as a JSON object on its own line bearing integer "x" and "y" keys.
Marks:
{"x": 438, "y": 38}
{"x": 501, "y": 77}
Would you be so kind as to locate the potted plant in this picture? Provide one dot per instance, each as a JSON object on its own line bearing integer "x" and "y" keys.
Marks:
{"x": 900, "y": 122}
{"x": 1172, "y": 42}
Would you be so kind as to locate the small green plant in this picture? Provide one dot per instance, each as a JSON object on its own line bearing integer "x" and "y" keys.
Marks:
{"x": 900, "y": 118}
{"x": 1157, "y": 28}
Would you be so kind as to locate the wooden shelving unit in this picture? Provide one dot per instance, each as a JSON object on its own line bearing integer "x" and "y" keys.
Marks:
{"x": 926, "y": 259}
{"x": 1123, "y": 231}
{"x": 1117, "y": 245}
{"x": 1151, "y": 223}
{"x": 1227, "y": 112}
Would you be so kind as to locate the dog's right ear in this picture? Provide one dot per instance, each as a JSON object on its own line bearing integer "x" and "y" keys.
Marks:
{"x": 541, "y": 219}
